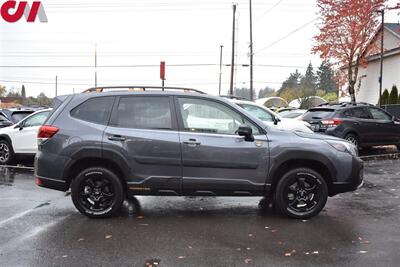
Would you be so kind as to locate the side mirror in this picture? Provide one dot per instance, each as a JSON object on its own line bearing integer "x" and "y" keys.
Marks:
{"x": 276, "y": 120}
{"x": 19, "y": 126}
{"x": 247, "y": 132}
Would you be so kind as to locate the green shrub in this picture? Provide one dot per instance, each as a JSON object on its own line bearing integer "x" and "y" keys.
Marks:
{"x": 385, "y": 97}
{"x": 394, "y": 95}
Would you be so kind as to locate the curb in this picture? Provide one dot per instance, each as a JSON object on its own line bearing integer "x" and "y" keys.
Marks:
{"x": 381, "y": 157}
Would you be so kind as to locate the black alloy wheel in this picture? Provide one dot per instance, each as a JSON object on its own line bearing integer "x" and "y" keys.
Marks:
{"x": 97, "y": 192}
{"x": 301, "y": 193}
{"x": 6, "y": 152}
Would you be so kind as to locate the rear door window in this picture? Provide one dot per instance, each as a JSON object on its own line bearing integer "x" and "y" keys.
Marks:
{"x": 361, "y": 113}
{"x": 318, "y": 114}
{"x": 144, "y": 113}
{"x": 95, "y": 110}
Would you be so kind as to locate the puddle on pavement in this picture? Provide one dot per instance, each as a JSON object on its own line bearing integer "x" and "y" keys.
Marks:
{"x": 7, "y": 176}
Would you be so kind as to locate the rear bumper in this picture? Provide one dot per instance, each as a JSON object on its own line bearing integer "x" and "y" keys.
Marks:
{"x": 355, "y": 181}
{"x": 51, "y": 183}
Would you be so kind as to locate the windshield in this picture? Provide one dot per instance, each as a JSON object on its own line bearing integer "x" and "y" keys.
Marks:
{"x": 317, "y": 114}
{"x": 258, "y": 112}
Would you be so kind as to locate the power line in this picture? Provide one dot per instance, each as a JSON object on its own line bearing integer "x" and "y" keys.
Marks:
{"x": 286, "y": 36}
{"x": 269, "y": 10}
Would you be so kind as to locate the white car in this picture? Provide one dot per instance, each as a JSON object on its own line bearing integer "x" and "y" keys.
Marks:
{"x": 21, "y": 138}
{"x": 271, "y": 118}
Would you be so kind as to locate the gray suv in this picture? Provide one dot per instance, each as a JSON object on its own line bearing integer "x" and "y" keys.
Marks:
{"x": 114, "y": 143}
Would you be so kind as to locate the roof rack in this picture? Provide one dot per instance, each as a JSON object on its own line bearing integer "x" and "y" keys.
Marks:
{"x": 234, "y": 97}
{"x": 136, "y": 88}
{"x": 345, "y": 104}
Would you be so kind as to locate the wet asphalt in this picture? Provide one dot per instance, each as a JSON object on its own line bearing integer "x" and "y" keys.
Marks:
{"x": 40, "y": 227}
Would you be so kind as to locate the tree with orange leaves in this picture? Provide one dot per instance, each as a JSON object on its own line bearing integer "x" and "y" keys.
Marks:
{"x": 346, "y": 31}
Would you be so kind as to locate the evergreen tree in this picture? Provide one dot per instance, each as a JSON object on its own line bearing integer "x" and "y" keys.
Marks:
{"x": 325, "y": 78}
{"x": 292, "y": 82}
{"x": 309, "y": 80}
{"x": 3, "y": 90}
{"x": 394, "y": 95}
{"x": 266, "y": 92}
{"x": 385, "y": 97}
{"x": 23, "y": 93}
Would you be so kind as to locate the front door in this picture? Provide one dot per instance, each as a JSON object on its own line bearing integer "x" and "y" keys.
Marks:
{"x": 215, "y": 159}
{"x": 389, "y": 131}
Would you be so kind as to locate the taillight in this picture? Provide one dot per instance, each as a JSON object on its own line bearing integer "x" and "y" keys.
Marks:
{"x": 46, "y": 132}
{"x": 332, "y": 122}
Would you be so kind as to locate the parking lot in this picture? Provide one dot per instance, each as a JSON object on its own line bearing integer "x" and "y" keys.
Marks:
{"x": 40, "y": 227}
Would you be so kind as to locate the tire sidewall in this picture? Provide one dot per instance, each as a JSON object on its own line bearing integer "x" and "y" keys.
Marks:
{"x": 280, "y": 199}
{"x": 10, "y": 151}
{"x": 112, "y": 178}
{"x": 355, "y": 138}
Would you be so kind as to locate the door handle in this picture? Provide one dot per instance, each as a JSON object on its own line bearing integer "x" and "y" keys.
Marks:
{"x": 116, "y": 138}
{"x": 192, "y": 142}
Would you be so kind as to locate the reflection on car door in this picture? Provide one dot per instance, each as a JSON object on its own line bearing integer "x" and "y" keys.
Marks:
{"x": 215, "y": 159}
{"x": 144, "y": 131}
{"x": 364, "y": 124}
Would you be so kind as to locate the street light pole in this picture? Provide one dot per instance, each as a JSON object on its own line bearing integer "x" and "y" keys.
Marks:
{"x": 233, "y": 50}
{"x": 251, "y": 53}
{"x": 220, "y": 69}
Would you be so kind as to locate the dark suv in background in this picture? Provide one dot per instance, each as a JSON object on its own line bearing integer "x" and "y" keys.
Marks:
{"x": 107, "y": 146}
{"x": 362, "y": 124}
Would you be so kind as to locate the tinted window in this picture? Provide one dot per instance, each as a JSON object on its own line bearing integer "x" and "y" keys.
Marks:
{"x": 378, "y": 114}
{"x": 361, "y": 113}
{"x": 206, "y": 116}
{"x": 317, "y": 114}
{"x": 346, "y": 113}
{"x": 144, "y": 113}
{"x": 18, "y": 116}
{"x": 36, "y": 120}
{"x": 258, "y": 112}
{"x": 94, "y": 110}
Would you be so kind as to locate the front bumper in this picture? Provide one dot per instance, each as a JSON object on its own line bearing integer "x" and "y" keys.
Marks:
{"x": 355, "y": 181}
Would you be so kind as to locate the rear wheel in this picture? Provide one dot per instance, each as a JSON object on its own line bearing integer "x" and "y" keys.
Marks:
{"x": 97, "y": 192}
{"x": 301, "y": 193}
{"x": 6, "y": 152}
{"x": 352, "y": 138}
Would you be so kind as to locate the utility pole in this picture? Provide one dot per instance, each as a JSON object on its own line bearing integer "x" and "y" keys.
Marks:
{"x": 382, "y": 11}
{"x": 251, "y": 53}
{"x": 381, "y": 66}
{"x": 233, "y": 50}
{"x": 95, "y": 65}
{"x": 220, "y": 69}
{"x": 56, "y": 84}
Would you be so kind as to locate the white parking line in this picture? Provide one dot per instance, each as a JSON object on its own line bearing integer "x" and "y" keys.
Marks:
{"x": 15, "y": 217}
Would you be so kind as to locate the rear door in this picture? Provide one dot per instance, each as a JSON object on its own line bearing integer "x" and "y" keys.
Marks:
{"x": 216, "y": 160}
{"x": 143, "y": 130}
{"x": 365, "y": 125}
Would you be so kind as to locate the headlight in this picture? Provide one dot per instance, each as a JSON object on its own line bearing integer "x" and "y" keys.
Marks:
{"x": 344, "y": 146}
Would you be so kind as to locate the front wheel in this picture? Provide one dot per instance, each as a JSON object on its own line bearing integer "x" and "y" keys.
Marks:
{"x": 97, "y": 192}
{"x": 301, "y": 193}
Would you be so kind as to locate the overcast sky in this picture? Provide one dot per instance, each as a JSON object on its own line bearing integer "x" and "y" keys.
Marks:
{"x": 144, "y": 32}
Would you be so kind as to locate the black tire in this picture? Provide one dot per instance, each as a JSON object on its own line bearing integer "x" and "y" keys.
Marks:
{"x": 352, "y": 138}
{"x": 97, "y": 192}
{"x": 6, "y": 152}
{"x": 301, "y": 185}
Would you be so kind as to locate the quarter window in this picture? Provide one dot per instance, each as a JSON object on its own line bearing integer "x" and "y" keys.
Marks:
{"x": 95, "y": 110}
{"x": 205, "y": 116}
{"x": 361, "y": 113}
{"x": 144, "y": 113}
